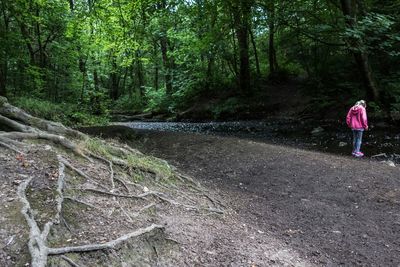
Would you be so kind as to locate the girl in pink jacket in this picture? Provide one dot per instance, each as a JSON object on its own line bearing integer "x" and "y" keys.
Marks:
{"x": 357, "y": 120}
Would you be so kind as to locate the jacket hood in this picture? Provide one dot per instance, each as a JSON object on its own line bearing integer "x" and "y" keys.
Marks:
{"x": 356, "y": 109}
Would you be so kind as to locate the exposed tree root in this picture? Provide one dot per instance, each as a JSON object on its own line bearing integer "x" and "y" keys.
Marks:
{"x": 120, "y": 160}
{"x": 110, "y": 165}
{"x": 57, "y": 139}
{"x": 37, "y": 239}
{"x": 36, "y": 244}
{"x": 109, "y": 193}
{"x": 81, "y": 173}
{"x": 11, "y": 147}
{"x": 83, "y": 203}
{"x": 70, "y": 262}
{"x": 161, "y": 196}
{"x": 16, "y": 114}
{"x": 136, "y": 214}
{"x": 108, "y": 245}
{"x": 124, "y": 212}
{"x": 123, "y": 183}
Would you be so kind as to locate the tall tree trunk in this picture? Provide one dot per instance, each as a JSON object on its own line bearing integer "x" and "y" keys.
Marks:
{"x": 253, "y": 42}
{"x": 140, "y": 74}
{"x": 3, "y": 79}
{"x": 42, "y": 56}
{"x": 71, "y": 5}
{"x": 241, "y": 18}
{"x": 156, "y": 65}
{"x": 166, "y": 61}
{"x": 4, "y": 56}
{"x": 349, "y": 9}
{"x": 164, "y": 52}
{"x": 82, "y": 68}
{"x": 273, "y": 64}
{"x": 209, "y": 73}
{"x": 114, "y": 80}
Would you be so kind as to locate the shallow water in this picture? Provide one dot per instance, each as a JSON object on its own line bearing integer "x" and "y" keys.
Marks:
{"x": 333, "y": 138}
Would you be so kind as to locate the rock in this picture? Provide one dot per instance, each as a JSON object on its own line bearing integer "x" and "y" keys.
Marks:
{"x": 390, "y": 163}
{"x": 387, "y": 145}
{"x": 384, "y": 155}
{"x": 17, "y": 182}
{"x": 341, "y": 144}
{"x": 317, "y": 130}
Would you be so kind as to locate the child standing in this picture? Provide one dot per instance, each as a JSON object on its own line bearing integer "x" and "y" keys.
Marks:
{"x": 357, "y": 120}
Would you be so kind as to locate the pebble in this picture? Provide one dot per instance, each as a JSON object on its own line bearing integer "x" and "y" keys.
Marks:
{"x": 342, "y": 144}
{"x": 390, "y": 163}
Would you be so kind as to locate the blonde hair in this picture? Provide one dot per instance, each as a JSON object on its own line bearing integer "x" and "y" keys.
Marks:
{"x": 361, "y": 103}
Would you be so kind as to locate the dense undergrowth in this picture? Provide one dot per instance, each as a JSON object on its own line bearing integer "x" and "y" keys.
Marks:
{"x": 67, "y": 113}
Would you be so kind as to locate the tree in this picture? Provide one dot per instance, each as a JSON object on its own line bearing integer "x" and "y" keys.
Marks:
{"x": 351, "y": 10}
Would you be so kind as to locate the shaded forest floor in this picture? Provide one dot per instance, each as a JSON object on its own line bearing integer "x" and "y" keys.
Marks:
{"x": 299, "y": 207}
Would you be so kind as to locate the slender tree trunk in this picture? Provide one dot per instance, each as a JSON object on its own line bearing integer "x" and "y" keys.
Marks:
{"x": 164, "y": 53}
{"x": 253, "y": 42}
{"x": 349, "y": 9}
{"x": 96, "y": 80}
{"x": 273, "y": 64}
{"x": 25, "y": 34}
{"x": 244, "y": 70}
{"x": 71, "y": 5}
{"x": 241, "y": 20}
{"x": 139, "y": 74}
{"x": 167, "y": 69}
{"x": 114, "y": 80}
{"x": 82, "y": 68}
{"x": 209, "y": 73}
{"x": 42, "y": 56}
{"x": 156, "y": 65}
{"x": 4, "y": 56}
{"x": 3, "y": 79}
{"x": 123, "y": 85}
{"x": 234, "y": 58}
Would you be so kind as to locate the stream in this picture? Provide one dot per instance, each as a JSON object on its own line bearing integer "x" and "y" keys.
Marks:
{"x": 380, "y": 143}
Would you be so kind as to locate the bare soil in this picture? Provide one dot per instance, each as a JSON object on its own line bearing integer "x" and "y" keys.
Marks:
{"x": 290, "y": 207}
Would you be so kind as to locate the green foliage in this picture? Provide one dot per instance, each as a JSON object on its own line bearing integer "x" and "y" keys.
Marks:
{"x": 68, "y": 114}
{"x": 128, "y": 104}
{"x": 158, "y": 100}
{"x": 228, "y": 108}
{"x": 163, "y": 56}
{"x": 374, "y": 31}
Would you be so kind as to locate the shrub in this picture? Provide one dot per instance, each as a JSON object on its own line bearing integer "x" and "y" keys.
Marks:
{"x": 66, "y": 113}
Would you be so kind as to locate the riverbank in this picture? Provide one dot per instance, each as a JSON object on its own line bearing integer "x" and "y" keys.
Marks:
{"x": 323, "y": 209}
{"x": 325, "y": 136}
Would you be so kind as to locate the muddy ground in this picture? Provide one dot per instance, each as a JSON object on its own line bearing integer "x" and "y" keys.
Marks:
{"x": 291, "y": 207}
{"x": 193, "y": 233}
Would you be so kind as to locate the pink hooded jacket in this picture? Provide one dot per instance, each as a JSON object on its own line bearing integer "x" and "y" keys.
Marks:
{"x": 357, "y": 118}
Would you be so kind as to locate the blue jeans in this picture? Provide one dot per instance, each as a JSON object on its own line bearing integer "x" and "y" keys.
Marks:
{"x": 357, "y": 139}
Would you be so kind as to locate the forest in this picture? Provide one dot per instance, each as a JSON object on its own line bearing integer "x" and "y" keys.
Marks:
{"x": 199, "y": 133}
{"x": 79, "y": 61}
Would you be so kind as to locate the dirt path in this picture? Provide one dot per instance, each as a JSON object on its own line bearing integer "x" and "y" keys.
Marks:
{"x": 290, "y": 207}
{"x": 326, "y": 209}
